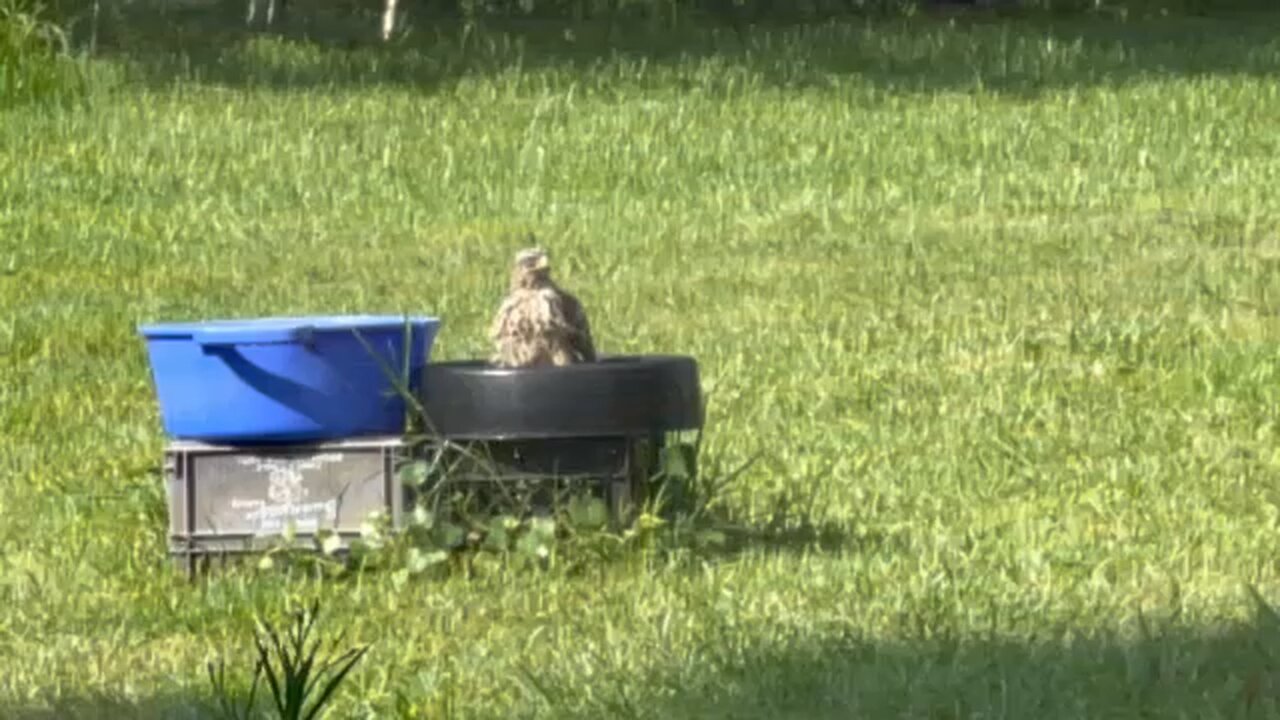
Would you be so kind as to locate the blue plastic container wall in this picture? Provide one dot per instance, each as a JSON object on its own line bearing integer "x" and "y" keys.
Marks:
{"x": 272, "y": 380}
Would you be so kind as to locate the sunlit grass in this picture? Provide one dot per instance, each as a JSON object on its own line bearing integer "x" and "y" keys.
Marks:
{"x": 999, "y": 304}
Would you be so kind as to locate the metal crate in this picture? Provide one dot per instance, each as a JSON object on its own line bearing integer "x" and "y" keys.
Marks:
{"x": 232, "y": 500}
{"x": 540, "y": 475}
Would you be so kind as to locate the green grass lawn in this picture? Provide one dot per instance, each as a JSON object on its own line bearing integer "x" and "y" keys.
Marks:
{"x": 998, "y": 303}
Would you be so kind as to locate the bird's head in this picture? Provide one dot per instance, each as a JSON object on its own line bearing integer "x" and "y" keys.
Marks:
{"x": 532, "y": 268}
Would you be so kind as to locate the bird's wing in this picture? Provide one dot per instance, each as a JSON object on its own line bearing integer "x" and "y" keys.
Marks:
{"x": 501, "y": 326}
{"x": 576, "y": 318}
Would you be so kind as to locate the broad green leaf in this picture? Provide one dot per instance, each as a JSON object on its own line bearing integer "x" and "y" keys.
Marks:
{"x": 400, "y": 578}
{"x": 420, "y": 560}
{"x": 542, "y": 528}
{"x": 588, "y": 513}
{"x": 679, "y": 461}
{"x": 414, "y": 474}
{"x": 331, "y": 544}
{"x": 497, "y": 538}
{"x": 530, "y": 546}
{"x": 451, "y": 534}
{"x": 423, "y": 517}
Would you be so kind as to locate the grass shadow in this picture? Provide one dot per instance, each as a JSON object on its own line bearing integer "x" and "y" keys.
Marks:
{"x": 692, "y": 496}
{"x": 798, "y": 535}
{"x": 106, "y": 706}
{"x": 1162, "y": 669}
{"x": 1023, "y": 54}
{"x": 1030, "y": 56}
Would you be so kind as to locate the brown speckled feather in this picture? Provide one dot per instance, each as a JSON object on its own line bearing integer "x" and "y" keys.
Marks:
{"x": 538, "y": 323}
{"x": 577, "y": 326}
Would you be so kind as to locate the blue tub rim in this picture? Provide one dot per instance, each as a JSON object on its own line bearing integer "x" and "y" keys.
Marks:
{"x": 277, "y": 329}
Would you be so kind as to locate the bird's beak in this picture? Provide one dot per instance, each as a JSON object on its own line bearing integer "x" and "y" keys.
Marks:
{"x": 543, "y": 263}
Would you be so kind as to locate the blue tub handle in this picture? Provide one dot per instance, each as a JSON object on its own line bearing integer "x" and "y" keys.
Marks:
{"x": 257, "y": 336}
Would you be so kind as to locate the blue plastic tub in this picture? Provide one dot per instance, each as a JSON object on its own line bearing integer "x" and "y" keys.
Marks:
{"x": 286, "y": 379}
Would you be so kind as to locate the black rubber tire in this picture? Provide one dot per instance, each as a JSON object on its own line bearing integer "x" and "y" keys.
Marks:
{"x": 614, "y": 396}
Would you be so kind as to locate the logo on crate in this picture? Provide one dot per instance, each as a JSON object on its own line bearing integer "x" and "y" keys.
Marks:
{"x": 286, "y": 492}
{"x": 284, "y": 477}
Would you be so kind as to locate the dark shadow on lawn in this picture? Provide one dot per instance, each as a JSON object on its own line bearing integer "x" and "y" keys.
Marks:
{"x": 1020, "y": 55}
{"x": 108, "y": 707}
{"x": 1165, "y": 671}
{"x": 1159, "y": 670}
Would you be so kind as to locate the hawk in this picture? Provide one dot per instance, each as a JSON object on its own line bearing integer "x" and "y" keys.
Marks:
{"x": 539, "y": 323}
